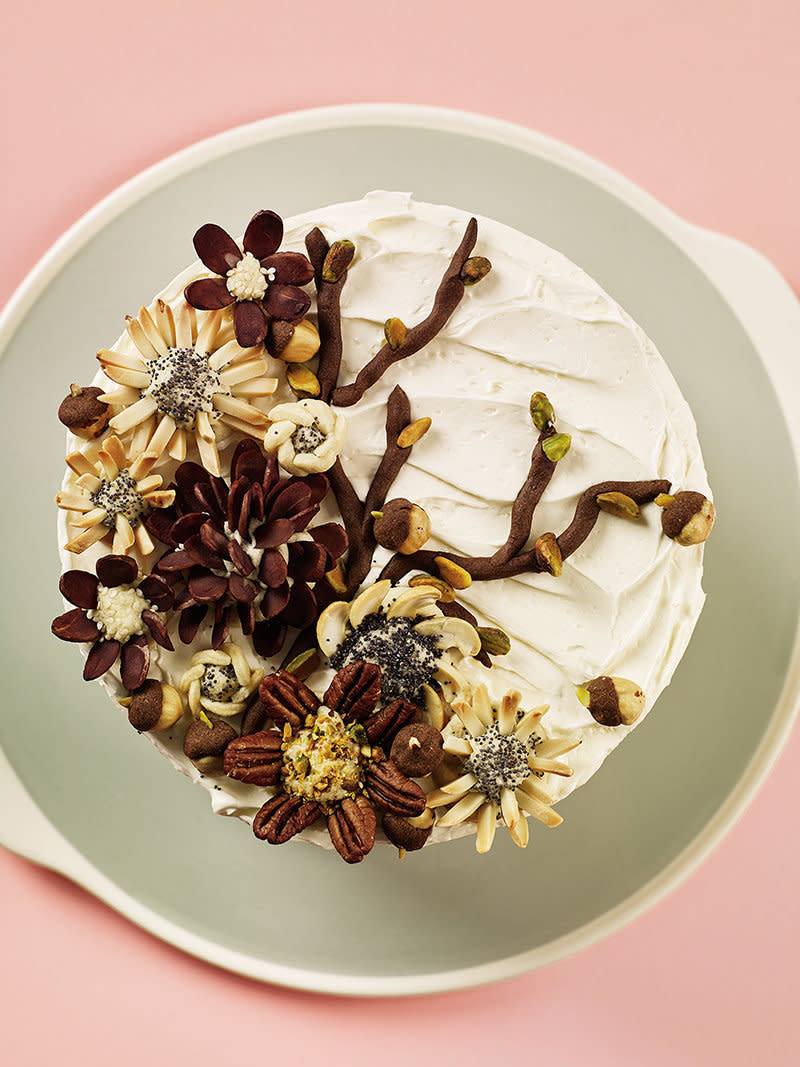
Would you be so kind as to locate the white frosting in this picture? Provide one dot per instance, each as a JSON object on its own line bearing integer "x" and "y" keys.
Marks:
{"x": 629, "y": 598}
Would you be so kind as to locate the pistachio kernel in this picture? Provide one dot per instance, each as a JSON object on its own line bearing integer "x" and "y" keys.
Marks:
{"x": 302, "y": 381}
{"x": 475, "y": 269}
{"x": 548, "y": 554}
{"x": 303, "y": 664}
{"x": 447, "y": 593}
{"x": 395, "y": 332}
{"x": 542, "y": 412}
{"x": 619, "y": 504}
{"x": 413, "y": 432}
{"x": 457, "y": 576}
{"x": 338, "y": 259}
{"x": 494, "y": 641}
{"x": 664, "y": 500}
{"x": 557, "y": 446}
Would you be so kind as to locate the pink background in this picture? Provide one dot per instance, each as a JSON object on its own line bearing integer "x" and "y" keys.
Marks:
{"x": 697, "y": 101}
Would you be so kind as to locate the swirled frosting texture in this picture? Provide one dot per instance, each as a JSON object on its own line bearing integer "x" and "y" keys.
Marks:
{"x": 629, "y": 598}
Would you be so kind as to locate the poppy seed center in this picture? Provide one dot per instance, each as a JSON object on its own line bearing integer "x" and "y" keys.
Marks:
{"x": 182, "y": 382}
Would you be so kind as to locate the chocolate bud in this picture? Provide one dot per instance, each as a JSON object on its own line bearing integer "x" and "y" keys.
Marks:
{"x": 688, "y": 518}
{"x": 82, "y": 412}
{"x": 417, "y": 749}
{"x": 407, "y": 834}
{"x": 155, "y": 706}
{"x": 612, "y": 701}
{"x": 401, "y": 526}
{"x": 205, "y": 747}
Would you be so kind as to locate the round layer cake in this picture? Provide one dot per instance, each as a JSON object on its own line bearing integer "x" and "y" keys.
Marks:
{"x": 395, "y": 542}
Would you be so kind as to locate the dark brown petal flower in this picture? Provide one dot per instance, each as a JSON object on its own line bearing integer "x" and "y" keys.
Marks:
{"x": 188, "y": 475}
{"x": 212, "y": 537}
{"x": 268, "y": 637}
{"x": 307, "y": 561}
{"x": 221, "y": 629}
{"x": 208, "y": 294}
{"x": 206, "y": 588}
{"x": 317, "y": 485}
{"x": 159, "y": 524}
{"x": 264, "y": 234}
{"x": 249, "y": 323}
{"x": 273, "y": 533}
{"x": 157, "y": 627}
{"x": 273, "y": 571}
{"x": 236, "y": 495}
{"x": 291, "y": 268}
{"x": 332, "y": 537}
{"x": 158, "y": 592}
{"x": 135, "y": 661}
{"x": 291, "y": 500}
{"x": 74, "y": 626}
{"x": 79, "y": 588}
{"x": 201, "y": 554}
{"x": 175, "y": 561}
{"x": 216, "y": 248}
{"x": 190, "y": 622}
{"x": 239, "y": 558}
{"x": 285, "y": 302}
{"x": 241, "y": 590}
{"x": 248, "y": 461}
{"x": 116, "y": 570}
{"x": 301, "y": 608}
{"x": 274, "y": 601}
{"x": 102, "y": 656}
{"x": 247, "y": 617}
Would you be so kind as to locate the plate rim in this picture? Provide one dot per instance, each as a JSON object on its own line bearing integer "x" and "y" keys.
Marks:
{"x": 723, "y": 261}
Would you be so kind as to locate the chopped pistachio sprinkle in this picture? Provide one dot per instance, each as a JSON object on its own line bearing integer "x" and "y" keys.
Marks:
{"x": 498, "y": 762}
{"x": 407, "y": 659}
{"x": 182, "y": 383}
{"x": 119, "y": 497}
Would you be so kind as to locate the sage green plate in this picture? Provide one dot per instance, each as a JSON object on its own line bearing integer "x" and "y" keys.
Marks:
{"x": 82, "y": 793}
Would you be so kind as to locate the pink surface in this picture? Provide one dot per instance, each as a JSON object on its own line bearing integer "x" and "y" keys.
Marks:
{"x": 697, "y": 102}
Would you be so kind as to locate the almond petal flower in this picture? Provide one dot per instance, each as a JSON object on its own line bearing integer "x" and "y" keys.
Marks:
{"x": 209, "y": 294}
{"x": 264, "y": 234}
{"x": 216, "y": 248}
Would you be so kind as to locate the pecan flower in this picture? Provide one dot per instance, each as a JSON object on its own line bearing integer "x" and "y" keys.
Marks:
{"x": 259, "y": 281}
{"x": 181, "y": 378}
{"x": 403, "y": 631}
{"x": 307, "y": 436}
{"x": 503, "y": 758}
{"x": 113, "y": 611}
{"x": 325, "y": 760}
{"x": 110, "y": 496}
{"x": 243, "y": 548}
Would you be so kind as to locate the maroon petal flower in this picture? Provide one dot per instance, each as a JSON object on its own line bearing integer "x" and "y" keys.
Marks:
{"x": 307, "y": 561}
{"x": 264, "y": 234}
{"x": 273, "y": 571}
{"x": 74, "y": 626}
{"x": 103, "y": 655}
{"x": 274, "y": 601}
{"x": 134, "y": 662}
{"x": 286, "y": 302}
{"x": 80, "y": 588}
{"x": 248, "y": 461}
{"x": 219, "y": 634}
{"x": 250, "y": 323}
{"x": 116, "y": 570}
{"x": 332, "y": 537}
{"x": 240, "y": 559}
{"x": 207, "y": 588}
{"x": 301, "y": 609}
{"x": 158, "y": 592}
{"x": 216, "y": 248}
{"x": 273, "y": 533}
{"x": 268, "y": 637}
{"x": 190, "y": 622}
{"x": 208, "y": 294}
{"x": 291, "y": 268}
{"x": 158, "y": 629}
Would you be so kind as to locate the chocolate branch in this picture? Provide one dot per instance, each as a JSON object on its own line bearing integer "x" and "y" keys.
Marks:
{"x": 329, "y": 323}
{"x": 487, "y": 568}
{"x": 448, "y": 296}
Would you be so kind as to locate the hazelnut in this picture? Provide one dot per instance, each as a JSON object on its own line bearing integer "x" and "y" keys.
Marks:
{"x": 417, "y": 749}
{"x": 82, "y": 412}
{"x": 401, "y": 526}
{"x": 154, "y": 706}
{"x": 687, "y": 518}
{"x": 612, "y": 701}
{"x": 404, "y": 834}
{"x": 205, "y": 747}
{"x": 293, "y": 344}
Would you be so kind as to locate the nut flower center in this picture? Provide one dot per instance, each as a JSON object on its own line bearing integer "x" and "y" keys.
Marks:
{"x": 498, "y": 761}
{"x": 119, "y": 612}
{"x": 119, "y": 497}
{"x": 248, "y": 280}
{"x": 323, "y": 762}
{"x": 182, "y": 383}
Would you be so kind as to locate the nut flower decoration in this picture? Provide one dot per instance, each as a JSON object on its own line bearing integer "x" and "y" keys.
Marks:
{"x": 325, "y": 760}
{"x": 244, "y": 548}
{"x": 259, "y": 281}
{"x": 403, "y": 631}
{"x": 184, "y": 378}
{"x": 503, "y": 761}
{"x": 110, "y": 497}
{"x": 219, "y": 682}
{"x": 307, "y": 436}
{"x": 114, "y": 611}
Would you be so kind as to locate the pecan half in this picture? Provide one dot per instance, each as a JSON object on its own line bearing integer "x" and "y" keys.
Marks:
{"x": 385, "y": 723}
{"x": 282, "y": 817}
{"x": 352, "y": 828}
{"x": 286, "y": 699}
{"x": 255, "y": 759}
{"x": 355, "y": 690}
{"x": 390, "y": 789}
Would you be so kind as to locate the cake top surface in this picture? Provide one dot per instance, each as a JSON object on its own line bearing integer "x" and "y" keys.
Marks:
{"x": 530, "y": 387}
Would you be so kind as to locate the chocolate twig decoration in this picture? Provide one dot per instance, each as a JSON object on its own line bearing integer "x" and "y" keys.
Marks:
{"x": 448, "y": 296}
{"x": 357, "y": 516}
{"x": 329, "y": 322}
{"x": 487, "y": 568}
